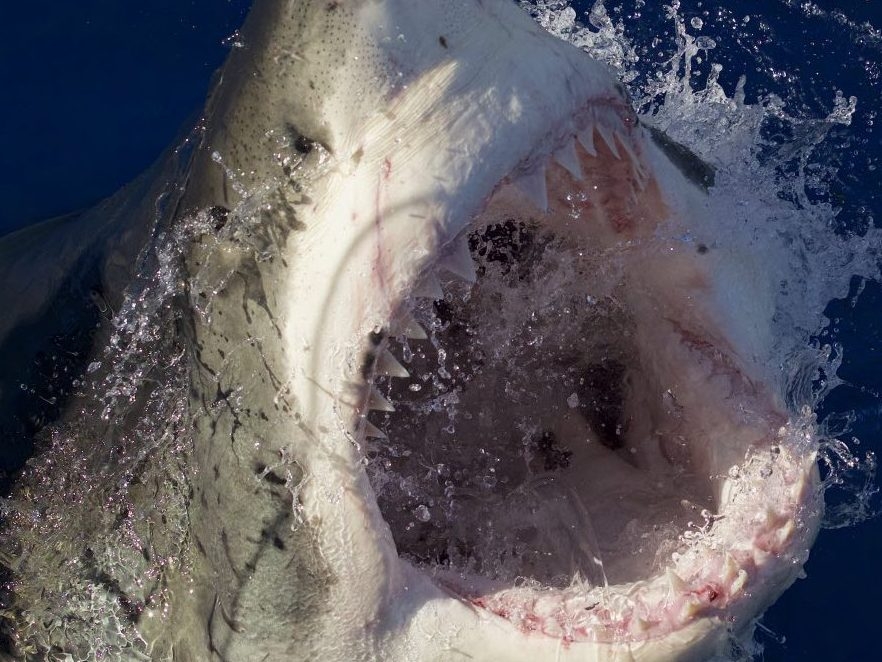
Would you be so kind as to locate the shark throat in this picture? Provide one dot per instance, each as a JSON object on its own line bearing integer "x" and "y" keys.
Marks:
{"x": 554, "y": 431}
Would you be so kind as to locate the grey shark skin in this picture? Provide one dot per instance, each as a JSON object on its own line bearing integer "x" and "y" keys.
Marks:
{"x": 351, "y": 154}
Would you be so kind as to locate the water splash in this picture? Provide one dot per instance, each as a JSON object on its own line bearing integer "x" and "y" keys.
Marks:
{"x": 778, "y": 160}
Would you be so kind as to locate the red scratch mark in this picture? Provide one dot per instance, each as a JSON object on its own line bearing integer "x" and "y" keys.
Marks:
{"x": 379, "y": 261}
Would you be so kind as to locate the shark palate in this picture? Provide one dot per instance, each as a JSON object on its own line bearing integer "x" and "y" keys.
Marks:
{"x": 418, "y": 366}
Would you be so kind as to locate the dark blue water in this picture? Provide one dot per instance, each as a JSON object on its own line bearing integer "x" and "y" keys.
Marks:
{"x": 805, "y": 57}
{"x": 94, "y": 90}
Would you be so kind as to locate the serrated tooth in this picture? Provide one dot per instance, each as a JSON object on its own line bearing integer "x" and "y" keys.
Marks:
{"x": 727, "y": 491}
{"x": 377, "y": 402}
{"x": 429, "y": 287}
{"x": 586, "y": 139}
{"x": 389, "y": 366}
{"x": 408, "y": 327}
{"x": 785, "y": 532}
{"x": 626, "y": 145}
{"x": 608, "y": 138}
{"x": 459, "y": 261}
{"x": 567, "y": 157}
{"x": 639, "y": 171}
{"x": 373, "y": 432}
{"x": 533, "y": 186}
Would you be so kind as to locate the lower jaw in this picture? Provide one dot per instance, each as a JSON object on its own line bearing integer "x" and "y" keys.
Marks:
{"x": 552, "y": 473}
{"x": 703, "y": 604}
{"x": 538, "y": 521}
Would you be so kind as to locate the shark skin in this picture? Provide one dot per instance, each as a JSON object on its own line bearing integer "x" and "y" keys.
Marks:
{"x": 346, "y": 153}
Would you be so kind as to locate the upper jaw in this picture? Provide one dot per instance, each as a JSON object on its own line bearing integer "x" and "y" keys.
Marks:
{"x": 759, "y": 528}
{"x": 451, "y": 125}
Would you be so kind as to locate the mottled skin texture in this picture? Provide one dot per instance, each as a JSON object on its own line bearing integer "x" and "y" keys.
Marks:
{"x": 251, "y": 567}
{"x": 258, "y": 565}
{"x": 259, "y": 569}
{"x": 249, "y": 561}
{"x": 273, "y": 91}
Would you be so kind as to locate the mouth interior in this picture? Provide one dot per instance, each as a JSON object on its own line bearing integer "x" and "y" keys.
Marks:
{"x": 532, "y": 443}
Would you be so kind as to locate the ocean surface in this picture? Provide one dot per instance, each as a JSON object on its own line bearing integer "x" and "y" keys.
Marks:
{"x": 95, "y": 90}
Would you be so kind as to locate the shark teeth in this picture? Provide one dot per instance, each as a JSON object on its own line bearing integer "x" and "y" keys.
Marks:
{"x": 389, "y": 366}
{"x": 609, "y": 138}
{"x": 459, "y": 262}
{"x": 639, "y": 168}
{"x": 629, "y": 149}
{"x": 429, "y": 287}
{"x": 407, "y": 326}
{"x": 377, "y": 402}
{"x": 586, "y": 139}
{"x": 371, "y": 431}
{"x": 532, "y": 184}
{"x": 566, "y": 156}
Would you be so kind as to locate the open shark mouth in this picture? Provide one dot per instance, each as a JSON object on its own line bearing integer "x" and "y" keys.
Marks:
{"x": 556, "y": 430}
{"x": 433, "y": 353}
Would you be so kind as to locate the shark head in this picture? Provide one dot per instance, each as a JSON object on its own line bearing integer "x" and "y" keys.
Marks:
{"x": 469, "y": 376}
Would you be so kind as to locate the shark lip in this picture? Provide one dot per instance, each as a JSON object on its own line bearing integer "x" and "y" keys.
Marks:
{"x": 538, "y": 462}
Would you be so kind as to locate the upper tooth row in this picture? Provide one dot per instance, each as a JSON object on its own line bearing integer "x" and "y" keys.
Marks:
{"x": 458, "y": 261}
{"x": 532, "y": 182}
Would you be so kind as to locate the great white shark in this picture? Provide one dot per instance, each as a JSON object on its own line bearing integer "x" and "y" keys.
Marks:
{"x": 381, "y": 192}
